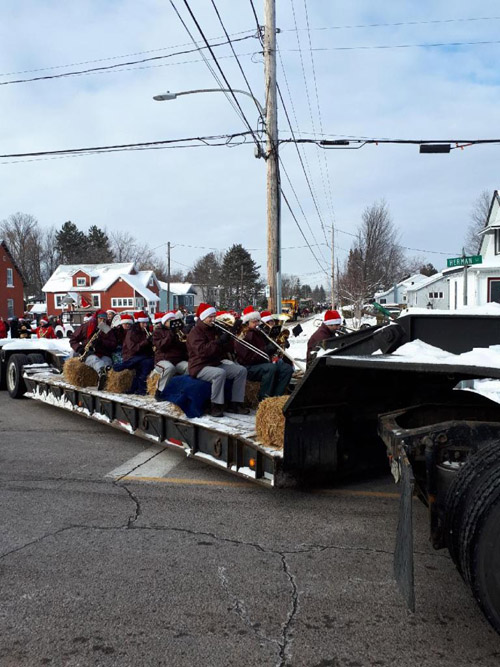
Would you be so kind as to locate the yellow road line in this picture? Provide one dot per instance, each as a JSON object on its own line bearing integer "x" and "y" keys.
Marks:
{"x": 248, "y": 485}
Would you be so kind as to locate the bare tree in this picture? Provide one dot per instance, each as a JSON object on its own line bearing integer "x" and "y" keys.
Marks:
{"x": 23, "y": 235}
{"x": 206, "y": 273}
{"x": 478, "y": 218}
{"x": 125, "y": 248}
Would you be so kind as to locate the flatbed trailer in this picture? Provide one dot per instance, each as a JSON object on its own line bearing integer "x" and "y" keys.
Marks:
{"x": 360, "y": 406}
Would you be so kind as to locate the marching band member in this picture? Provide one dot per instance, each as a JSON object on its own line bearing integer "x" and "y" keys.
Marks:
{"x": 207, "y": 348}
{"x": 94, "y": 345}
{"x": 331, "y": 323}
{"x": 45, "y": 330}
{"x": 273, "y": 377}
{"x": 137, "y": 353}
{"x": 170, "y": 351}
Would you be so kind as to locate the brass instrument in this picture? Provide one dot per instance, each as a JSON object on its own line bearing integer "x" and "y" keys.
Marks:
{"x": 282, "y": 337}
{"x": 226, "y": 320}
{"x": 226, "y": 328}
{"x": 89, "y": 346}
{"x": 181, "y": 335}
{"x": 176, "y": 325}
{"x": 296, "y": 363}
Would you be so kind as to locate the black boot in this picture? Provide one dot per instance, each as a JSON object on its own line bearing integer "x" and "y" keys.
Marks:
{"x": 238, "y": 408}
{"x": 216, "y": 410}
{"x": 102, "y": 377}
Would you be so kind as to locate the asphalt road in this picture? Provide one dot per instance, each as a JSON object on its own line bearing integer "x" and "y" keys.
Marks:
{"x": 200, "y": 568}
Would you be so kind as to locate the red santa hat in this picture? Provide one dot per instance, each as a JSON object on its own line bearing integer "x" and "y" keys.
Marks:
{"x": 140, "y": 316}
{"x": 44, "y": 321}
{"x": 158, "y": 317}
{"x": 266, "y": 316}
{"x": 169, "y": 315}
{"x": 249, "y": 313}
{"x": 204, "y": 310}
{"x": 126, "y": 318}
{"x": 332, "y": 317}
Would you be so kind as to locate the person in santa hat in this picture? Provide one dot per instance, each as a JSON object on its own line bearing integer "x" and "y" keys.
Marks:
{"x": 99, "y": 353}
{"x": 330, "y": 325}
{"x": 4, "y": 328}
{"x": 274, "y": 377}
{"x": 137, "y": 353}
{"x": 45, "y": 330}
{"x": 207, "y": 360}
{"x": 170, "y": 350}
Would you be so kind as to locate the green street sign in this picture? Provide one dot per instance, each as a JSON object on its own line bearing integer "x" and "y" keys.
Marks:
{"x": 464, "y": 261}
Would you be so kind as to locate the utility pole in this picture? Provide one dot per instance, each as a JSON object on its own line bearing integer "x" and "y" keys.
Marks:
{"x": 333, "y": 267}
{"x": 273, "y": 179}
{"x": 168, "y": 275}
{"x": 465, "y": 277}
{"x": 241, "y": 289}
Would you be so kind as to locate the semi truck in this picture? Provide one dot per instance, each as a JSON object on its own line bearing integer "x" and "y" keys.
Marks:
{"x": 360, "y": 405}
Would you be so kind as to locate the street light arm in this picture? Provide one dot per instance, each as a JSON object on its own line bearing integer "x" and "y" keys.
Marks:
{"x": 172, "y": 96}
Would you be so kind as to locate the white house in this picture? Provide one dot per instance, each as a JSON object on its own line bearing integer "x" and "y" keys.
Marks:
{"x": 397, "y": 294}
{"x": 432, "y": 292}
{"x": 482, "y": 284}
{"x": 181, "y": 294}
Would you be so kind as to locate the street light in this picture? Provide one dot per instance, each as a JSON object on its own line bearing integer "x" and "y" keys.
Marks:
{"x": 163, "y": 97}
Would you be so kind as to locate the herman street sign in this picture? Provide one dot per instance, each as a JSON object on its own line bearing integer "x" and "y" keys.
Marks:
{"x": 464, "y": 261}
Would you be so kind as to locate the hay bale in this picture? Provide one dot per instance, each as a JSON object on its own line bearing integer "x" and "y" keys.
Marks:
{"x": 152, "y": 382}
{"x": 270, "y": 422}
{"x": 119, "y": 382}
{"x": 252, "y": 394}
{"x": 79, "y": 374}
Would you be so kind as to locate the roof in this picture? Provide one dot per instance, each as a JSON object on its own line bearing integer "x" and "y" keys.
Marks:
{"x": 177, "y": 288}
{"x": 136, "y": 281}
{"x": 408, "y": 283}
{"x": 61, "y": 280}
{"x": 428, "y": 280}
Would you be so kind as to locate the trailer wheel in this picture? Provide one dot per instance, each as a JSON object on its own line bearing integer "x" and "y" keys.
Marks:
{"x": 14, "y": 375}
{"x": 2, "y": 375}
{"x": 36, "y": 358}
{"x": 461, "y": 491}
{"x": 485, "y": 563}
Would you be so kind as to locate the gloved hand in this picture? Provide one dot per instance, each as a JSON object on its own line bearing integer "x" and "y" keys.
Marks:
{"x": 224, "y": 338}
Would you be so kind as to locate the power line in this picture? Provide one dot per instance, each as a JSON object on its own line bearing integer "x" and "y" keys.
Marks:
{"x": 400, "y": 23}
{"x": 125, "y": 55}
{"x": 399, "y": 46}
{"x": 94, "y": 70}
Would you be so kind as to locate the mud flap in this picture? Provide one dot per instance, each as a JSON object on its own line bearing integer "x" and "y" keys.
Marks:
{"x": 403, "y": 553}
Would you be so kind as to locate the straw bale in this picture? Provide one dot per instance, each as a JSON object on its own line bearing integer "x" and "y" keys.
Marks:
{"x": 270, "y": 422}
{"x": 79, "y": 374}
{"x": 152, "y": 382}
{"x": 119, "y": 382}
{"x": 252, "y": 394}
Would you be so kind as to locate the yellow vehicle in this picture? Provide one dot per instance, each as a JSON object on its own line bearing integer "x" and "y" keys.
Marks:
{"x": 290, "y": 307}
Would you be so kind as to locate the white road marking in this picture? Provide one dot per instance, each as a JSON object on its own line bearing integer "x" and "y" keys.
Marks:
{"x": 155, "y": 461}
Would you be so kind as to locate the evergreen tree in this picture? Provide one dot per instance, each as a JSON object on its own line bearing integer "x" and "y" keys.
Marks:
{"x": 240, "y": 277}
{"x": 71, "y": 244}
{"x": 98, "y": 247}
{"x": 428, "y": 270}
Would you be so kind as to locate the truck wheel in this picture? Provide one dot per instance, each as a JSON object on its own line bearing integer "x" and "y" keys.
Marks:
{"x": 461, "y": 491}
{"x": 14, "y": 375}
{"x": 485, "y": 563}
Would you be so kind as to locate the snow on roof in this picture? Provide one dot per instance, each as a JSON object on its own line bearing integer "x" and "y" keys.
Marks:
{"x": 176, "y": 288}
{"x": 427, "y": 280}
{"x": 492, "y": 309}
{"x": 39, "y": 308}
{"x": 61, "y": 280}
{"x": 136, "y": 282}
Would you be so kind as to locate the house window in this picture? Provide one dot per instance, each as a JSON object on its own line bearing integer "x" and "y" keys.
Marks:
{"x": 497, "y": 241}
{"x": 58, "y": 300}
{"x": 96, "y": 300}
{"x": 81, "y": 282}
{"x": 139, "y": 302}
{"x": 10, "y": 307}
{"x": 440, "y": 295}
{"x": 383, "y": 300}
{"x": 494, "y": 290}
{"x": 10, "y": 278}
{"x": 122, "y": 303}
{"x": 151, "y": 282}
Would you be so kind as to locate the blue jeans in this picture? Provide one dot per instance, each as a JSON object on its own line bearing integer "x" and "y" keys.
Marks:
{"x": 142, "y": 366}
{"x": 273, "y": 378}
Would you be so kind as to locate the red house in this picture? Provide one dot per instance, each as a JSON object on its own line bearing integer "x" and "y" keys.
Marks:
{"x": 117, "y": 286}
{"x": 11, "y": 285}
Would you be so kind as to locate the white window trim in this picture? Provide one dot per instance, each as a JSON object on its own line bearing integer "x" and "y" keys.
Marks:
{"x": 11, "y": 283}
{"x": 96, "y": 305}
{"x": 10, "y": 308}
{"x": 81, "y": 282}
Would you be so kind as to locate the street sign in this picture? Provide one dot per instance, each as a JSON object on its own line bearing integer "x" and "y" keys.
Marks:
{"x": 464, "y": 261}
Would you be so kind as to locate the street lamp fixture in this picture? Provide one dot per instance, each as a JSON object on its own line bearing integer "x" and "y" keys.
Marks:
{"x": 163, "y": 97}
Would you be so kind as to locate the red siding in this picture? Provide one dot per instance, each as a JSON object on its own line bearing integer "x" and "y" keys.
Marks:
{"x": 82, "y": 274}
{"x": 16, "y": 292}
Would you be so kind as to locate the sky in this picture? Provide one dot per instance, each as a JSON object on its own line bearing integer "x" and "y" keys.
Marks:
{"x": 367, "y": 75}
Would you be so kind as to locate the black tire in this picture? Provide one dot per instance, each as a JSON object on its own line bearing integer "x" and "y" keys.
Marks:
{"x": 2, "y": 375}
{"x": 461, "y": 490}
{"x": 485, "y": 563}
{"x": 36, "y": 358}
{"x": 14, "y": 375}
{"x": 59, "y": 334}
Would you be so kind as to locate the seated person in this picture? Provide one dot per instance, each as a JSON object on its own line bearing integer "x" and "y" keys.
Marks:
{"x": 137, "y": 353}
{"x": 91, "y": 341}
{"x": 273, "y": 377}
{"x": 331, "y": 323}
{"x": 170, "y": 350}
{"x": 207, "y": 349}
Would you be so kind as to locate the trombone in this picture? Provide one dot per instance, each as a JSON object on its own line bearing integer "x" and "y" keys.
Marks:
{"x": 223, "y": 322}
{"x": 296, "y": 363}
